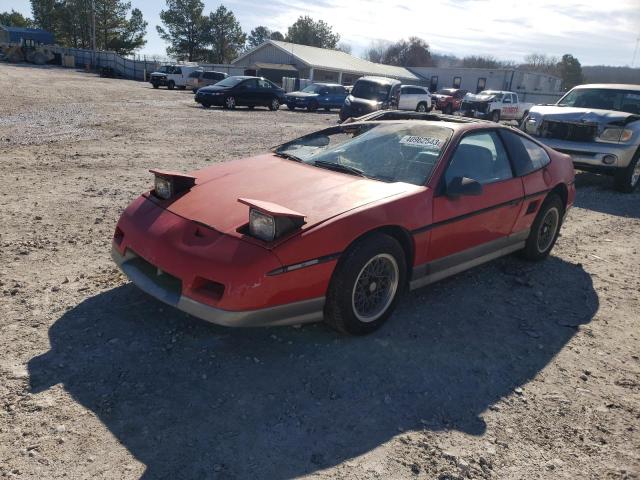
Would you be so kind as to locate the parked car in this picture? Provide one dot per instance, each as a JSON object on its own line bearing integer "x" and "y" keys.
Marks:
{"x": 200, "y": 78}
{"x": 494, "y": 105}
{"x": 599, "y": 126}
{"x": 337, "y": 223}
{"x": 172, "y": 76}
{"x": 370, "y": 94}
{"x": 414, "y": 97}
{"x": 448, "y": 100}
{"x": 317, "y": 95}
{"x": 241, "y": 91}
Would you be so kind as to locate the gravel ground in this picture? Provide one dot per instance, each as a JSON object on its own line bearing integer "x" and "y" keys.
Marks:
{"x": 509, "y": 371}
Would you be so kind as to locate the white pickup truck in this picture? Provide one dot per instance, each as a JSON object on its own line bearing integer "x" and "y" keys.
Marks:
{"x": 494, "y": 105}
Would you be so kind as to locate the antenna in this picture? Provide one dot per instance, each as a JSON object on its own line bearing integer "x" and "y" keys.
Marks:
{"x": 635, "y": 52}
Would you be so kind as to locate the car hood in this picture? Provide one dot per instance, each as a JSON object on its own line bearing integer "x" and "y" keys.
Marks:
{"x": 583, "y": 115}
{"x": 374, "y": 104}
{"x": 302, "y": 94}
{"x": 317, "y": 193}
{"x": 213, "y": 88}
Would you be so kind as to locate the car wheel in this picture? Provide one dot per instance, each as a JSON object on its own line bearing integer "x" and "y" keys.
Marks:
{"x": 181, "y": 87}
{"x": 422, "y": 107}
{"x": 171, "y": 85}
{"x": 274, "y": 105}
{"x": 448, "y": 110}
{"x": 312, "y": 106}
{"x": 495, "y": 116}
{"x": 327, "y": 109}
{"x": 627, "y": 179}
{"x": 230, "y": 103}
{"x": 206, "y": 105}
{"x": 291, "y": 106}
{"x": 366, "y": 285}
{"x": 194, "y": 90}
{"x": 545, "y": 229}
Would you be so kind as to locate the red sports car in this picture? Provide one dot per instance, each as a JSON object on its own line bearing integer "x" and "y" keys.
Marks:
{"x": 336, "y": 224}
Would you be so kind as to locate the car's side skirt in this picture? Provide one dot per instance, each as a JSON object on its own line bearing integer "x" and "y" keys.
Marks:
{"x": 431, "y": 272}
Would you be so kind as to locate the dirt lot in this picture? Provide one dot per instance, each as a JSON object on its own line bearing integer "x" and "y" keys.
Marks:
{"x": 509, "y": 371}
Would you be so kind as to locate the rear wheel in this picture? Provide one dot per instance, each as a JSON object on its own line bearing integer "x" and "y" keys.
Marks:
{"x": 448, "y": 109}
{"x": 171, "y": 85}
{"x": 366, "y": 285}
{"x": 155, "y": 85}
{"x": 312, "y": 106}
{"x": 495, "y": 116}
{"x": 545, "y": 229}
{"x": 274, "y": 105}
{"x": 627, "y": 179}
{"x": 422, "y": 107}
{"x": 230, "y": 103}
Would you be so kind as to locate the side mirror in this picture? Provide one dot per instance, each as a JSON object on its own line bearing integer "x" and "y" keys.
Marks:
{"x": 463, "y": 186}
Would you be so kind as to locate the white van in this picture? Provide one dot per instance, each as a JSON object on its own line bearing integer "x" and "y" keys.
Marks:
{"x": 172, "y": 76}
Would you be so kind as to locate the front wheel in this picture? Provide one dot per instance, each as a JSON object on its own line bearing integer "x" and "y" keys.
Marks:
{"x": 627, "y": 179}
{"x": 171, "y": 85}
{"x": 422, "y": 108}
{"x": 274, "y": 105}
{"x": 545, "y": 229}
{"x": 495, "y": 116}
{"x": 156, "y": 85}
{"x": 230, "y": 103}
{"x": 366, "y": 285}
{"x": 312, "y": 106}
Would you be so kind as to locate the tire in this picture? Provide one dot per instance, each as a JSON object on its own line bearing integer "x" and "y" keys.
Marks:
{"x": 194, "y": 90}
{"x": 230, "y": 103}
{"x": 448, "y": 110}
{"x": 327, "y": 109}
{"x": 171, "y": 85}
{"x": 495, "y": 116}
{"x": 543, "y": 234}
{"x": 291, "y": 106}
{"x": 156, "y": 85}
{"x": 39, "y": 58}
{"x": 206, "y": 105}
{"x": 182, "y": 87}
{"x": 626, "y": 180}
{"x": 349, "y": 285}
{"x": 422, "y": 107}
{"x": 312, "y": 106}
{"x": 275, "y": 104}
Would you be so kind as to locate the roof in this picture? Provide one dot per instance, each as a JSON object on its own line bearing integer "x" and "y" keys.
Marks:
{"x": 335, "y": 60}
{"x": 612, "y": 86}
{"x": 23, "y": 30}
{"x": 37, "y": 34}
{"x": 383, "y": 80}
{"x": 275, "y": 66}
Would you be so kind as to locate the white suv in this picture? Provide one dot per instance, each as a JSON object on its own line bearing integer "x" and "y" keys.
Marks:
{"x": 172, "y": 76}
{"x": 413, "y": 97}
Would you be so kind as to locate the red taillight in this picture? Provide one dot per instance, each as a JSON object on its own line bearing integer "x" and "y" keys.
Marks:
{"x": 118, "y": 236}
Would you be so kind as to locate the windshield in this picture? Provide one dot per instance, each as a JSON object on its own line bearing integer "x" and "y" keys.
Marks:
{"x": 312, "y": 88}
{"x": 230, "y": 82}
{"x": 604, "y": 99}
{"x": 370, "y": 90}
{"x": 489, "y": 93}
{"x": 391, "y": 152}
{"x": 446, "y": 91}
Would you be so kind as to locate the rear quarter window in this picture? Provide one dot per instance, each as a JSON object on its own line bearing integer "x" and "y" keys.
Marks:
{"x": 526, "y": 155}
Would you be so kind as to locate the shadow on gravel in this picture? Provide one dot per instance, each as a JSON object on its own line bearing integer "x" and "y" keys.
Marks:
{"x": 596, "y": 192}
{"x": 191, "y": 400}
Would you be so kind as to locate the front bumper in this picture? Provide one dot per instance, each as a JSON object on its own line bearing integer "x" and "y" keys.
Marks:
{"x": 208, "y": 99}
{"x": 305, "y": 311}
{"x": 158, "y": 80}
{"x": 592, "y": 154}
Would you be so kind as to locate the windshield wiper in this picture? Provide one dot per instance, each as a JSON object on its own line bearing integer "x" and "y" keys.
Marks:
{"x": 288, "y": 156}
{"x": 339, "y": 167}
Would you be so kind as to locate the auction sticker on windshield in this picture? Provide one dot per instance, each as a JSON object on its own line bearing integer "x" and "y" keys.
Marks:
{"x": 416, "y": 141}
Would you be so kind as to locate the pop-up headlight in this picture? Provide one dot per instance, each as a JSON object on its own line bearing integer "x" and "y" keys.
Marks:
{"x": 269, "y": 221}
{"x": 168, "y": 185}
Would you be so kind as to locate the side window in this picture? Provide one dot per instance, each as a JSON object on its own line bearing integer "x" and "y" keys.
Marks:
{"x": 250, "y": 84}
{"x": 404, "y": 90}
{"x": 527, "y": 156}
{"x": 482, "y": 157}
{"x": 177, "y": 70}
{"x": 264, "y": 84}
{"x": 456, "y": 82}
{"x": 514, "y": 98}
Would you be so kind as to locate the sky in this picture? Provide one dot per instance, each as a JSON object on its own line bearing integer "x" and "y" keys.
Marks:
{"x": 596, "y": 32}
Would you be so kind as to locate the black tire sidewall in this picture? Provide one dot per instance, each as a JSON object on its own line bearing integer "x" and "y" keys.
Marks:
{"x": 338, "y": 307}
{"x": 171, "y": 85}
{"x": 531, "y": 251}
{"x": 495, "y": 116}
{"x": 622, "y": 178}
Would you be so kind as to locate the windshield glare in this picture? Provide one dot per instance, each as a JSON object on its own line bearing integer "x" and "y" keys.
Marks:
{"x": 604, "y": 99}
{"x": 312, "y": 88}
{"x": 229, "y": 82}
{"x": 370, "y": 90}
{"x": 446, "y": 91}
{"x": 489, "y": 93}
{"x": 391, "y": 152}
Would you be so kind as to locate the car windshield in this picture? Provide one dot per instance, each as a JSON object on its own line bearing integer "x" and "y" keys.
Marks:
{"x": 603, "y": 98}
{"x": 446, "y": 91}
{"x": 315, "y": 88}
{"x": 370, "y": 90}
{"x": 489, "y": 93}
{"x": 391, "y": 152}
{"x": 230, "y": 81}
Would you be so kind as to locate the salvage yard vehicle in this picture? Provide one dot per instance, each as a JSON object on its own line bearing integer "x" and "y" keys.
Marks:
{"x": 370, "y": 94}
{"x": 201, "y": 78}
{"x": 414, "y": 97}
{"x": 336, "y": 224}
{"x": 448, "y": 100}
{"x": 172, "y": 76}
{"x": 494, "y": 105}
{"x": 317, "y": 95}
{"x": 599, "y": 126}
{"x": 241, "y": 91}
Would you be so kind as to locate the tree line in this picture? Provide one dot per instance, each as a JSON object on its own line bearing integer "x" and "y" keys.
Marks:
{"x": 217, "y": 37}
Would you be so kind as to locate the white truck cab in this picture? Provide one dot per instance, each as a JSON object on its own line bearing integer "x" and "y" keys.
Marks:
{"x": 494, "y": 105}
{"x": 172, "y": 76}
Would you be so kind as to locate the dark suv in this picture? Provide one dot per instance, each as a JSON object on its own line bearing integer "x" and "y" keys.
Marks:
{"x": 370, "y": 94}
